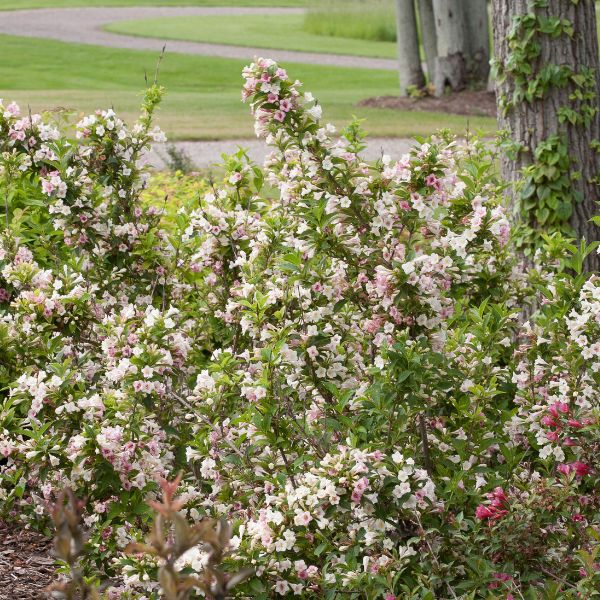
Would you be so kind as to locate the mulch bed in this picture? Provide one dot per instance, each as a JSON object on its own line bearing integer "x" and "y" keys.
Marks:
{"x": 477, "y": 103}
{"x": 26, "y": 563}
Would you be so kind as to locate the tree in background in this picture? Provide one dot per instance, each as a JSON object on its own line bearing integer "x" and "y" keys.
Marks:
{"x": 477, "y": 37}
{"x": 409, "y": 59}
{"x": 454, "y": 35}
{"x": 427, "y": 33}
{"x": 451, "y": 60}
{"x": 547, "y": 83}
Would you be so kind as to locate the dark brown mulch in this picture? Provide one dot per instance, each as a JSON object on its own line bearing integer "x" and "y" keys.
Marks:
{"x": 479, "y": 103}
{"x": 26, "y": 563}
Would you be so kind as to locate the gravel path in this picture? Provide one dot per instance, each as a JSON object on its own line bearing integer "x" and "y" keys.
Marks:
{"x": 84, "y": 26}
{"x": 206, "y": 154}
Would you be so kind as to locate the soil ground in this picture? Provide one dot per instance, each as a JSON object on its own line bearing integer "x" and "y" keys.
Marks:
{"x": 26, "y": 563}
{"x": 477, "y": 103}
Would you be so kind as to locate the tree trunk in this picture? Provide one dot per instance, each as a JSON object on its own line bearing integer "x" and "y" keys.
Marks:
{"x": 428, "y": 35}
{"x": 451, "y": 63}
{"x": 478, "y": 39}
{"x": 409, "y": 60}
{"x": 547, "y": 90}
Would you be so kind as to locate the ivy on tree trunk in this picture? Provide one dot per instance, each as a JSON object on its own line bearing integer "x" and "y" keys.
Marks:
{"x": 547, "y": 85}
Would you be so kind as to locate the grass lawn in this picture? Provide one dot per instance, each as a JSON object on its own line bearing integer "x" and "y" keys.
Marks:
{"x": 263, "y": 31}
{"x": 17, "y": 4}
{"x": 203, "y": 93}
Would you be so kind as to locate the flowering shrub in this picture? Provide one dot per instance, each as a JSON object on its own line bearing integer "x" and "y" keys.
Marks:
{"x": 333, "y": 352}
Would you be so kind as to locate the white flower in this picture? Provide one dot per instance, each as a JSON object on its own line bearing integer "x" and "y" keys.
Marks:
{"x": 466, "y": 385}
{"x": 312, "y": 352}
{"x": 281, "y": 587}
{"x": 397, "y": 457}
{"x": 408, "y": 267}
{"x": 302, "y": 519}
{"x": 315, "y": 112}
{"x": 400, "y": 490}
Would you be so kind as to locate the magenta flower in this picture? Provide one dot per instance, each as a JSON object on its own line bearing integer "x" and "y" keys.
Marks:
{"x": 548, "y": 421}
{"x": 483, "y": 512}
{"x": 497, "y": 507}
{"x": 581, "y": 469}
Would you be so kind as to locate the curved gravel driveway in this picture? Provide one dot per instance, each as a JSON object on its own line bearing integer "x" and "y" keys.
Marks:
{"x": 84, "y": 26}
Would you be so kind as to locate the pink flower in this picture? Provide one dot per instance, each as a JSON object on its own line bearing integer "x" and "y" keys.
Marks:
{"x": 312, "y": 571}
{"x": 432, "y": 181}
{"x": 279, "y": 116}
{"x": 47, "y": 187}
{"x": 13, "y": 109}
{"x": 362, "y": 484}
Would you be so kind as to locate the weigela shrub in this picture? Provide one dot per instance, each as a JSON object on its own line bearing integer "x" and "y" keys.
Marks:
{"x": 336, "y": 354}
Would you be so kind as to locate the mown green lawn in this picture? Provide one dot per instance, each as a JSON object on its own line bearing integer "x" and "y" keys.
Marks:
{"x": 17, "y": 4}
{"x": 203, "y": 93}
{"x": 263, "y": 31}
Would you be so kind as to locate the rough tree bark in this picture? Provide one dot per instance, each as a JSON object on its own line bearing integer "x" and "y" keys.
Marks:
{"x": 477, "y": 39}
{"x": 451, "y": 63}
{"x": 554, "y": 117}
{"x": 428, "y": 35}
{"x": 409, "y": 61}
